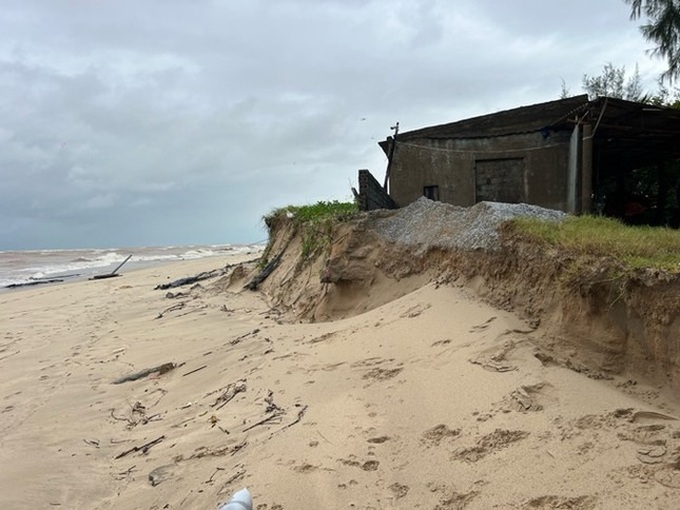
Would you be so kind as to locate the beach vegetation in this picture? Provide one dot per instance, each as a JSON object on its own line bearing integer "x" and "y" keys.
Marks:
{"x": 314, "y": 222}
{"x": 635, "y": 247}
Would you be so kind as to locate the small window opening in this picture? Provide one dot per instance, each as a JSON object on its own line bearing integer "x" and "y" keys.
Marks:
{"x": 431, "y": 192}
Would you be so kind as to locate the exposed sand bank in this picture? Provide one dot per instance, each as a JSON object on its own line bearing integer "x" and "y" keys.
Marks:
{"x": 434, "y": 400}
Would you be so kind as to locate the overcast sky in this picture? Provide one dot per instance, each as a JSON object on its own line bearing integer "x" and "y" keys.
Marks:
{"x": 156, "y": 122}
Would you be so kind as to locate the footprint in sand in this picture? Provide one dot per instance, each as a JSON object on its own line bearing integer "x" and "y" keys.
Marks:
{"x": 528, "y": 398}
{"x": 370, "y": 362}
{"x": 483, "y": 326}
{"x": 497, "y": 440}
{"x": 351, "y": 483}
{"x": 438, "y": 343}
{"x": 369, "y": 465}
{"x": 382, "y": 374}
{"x": 437, "y": 434}
{"x": 378, "y": 372}
{"x": 552, "y": 502}
{"x": 399, "y": 490}
{"x": 495, "y": 358}
{"x": 306, "y": 468}
{"x": 378, "y": 440}
{"x": 415, "y": 311}
{"x": 323, "y": 338}
{"x": 452, "y": 499}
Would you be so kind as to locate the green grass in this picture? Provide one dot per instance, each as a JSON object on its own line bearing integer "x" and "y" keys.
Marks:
{"x": 635, "y": 246}
{"x": 316, "y": 212}
{"x": 315, "y": 222}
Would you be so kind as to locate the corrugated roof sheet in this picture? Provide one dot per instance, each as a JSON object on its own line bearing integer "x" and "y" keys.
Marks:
{"x": 517, "y": 120}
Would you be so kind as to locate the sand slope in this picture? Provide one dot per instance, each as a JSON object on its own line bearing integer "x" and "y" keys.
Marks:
{"x": 432, "y": 401}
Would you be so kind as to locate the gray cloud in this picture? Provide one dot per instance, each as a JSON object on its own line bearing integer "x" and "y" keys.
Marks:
{"x": 170, "y": 122}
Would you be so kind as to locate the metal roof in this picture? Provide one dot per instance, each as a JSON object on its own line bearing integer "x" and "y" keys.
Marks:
{"x": 642, "y": 131}
{"x": 524, "y": 119}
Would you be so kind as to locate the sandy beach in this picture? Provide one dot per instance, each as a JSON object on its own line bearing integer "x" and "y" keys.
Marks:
{"x": 435, "y": 400}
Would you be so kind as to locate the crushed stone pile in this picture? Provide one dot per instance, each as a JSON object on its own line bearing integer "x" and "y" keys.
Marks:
{"x": 429, "y": 224}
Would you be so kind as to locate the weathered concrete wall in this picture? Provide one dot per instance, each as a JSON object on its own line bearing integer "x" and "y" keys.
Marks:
{"x": 371, "y": 194}
{"x": 451, "y": 165}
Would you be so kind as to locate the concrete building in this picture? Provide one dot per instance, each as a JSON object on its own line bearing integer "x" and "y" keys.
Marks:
{"x": 571, "y": 154}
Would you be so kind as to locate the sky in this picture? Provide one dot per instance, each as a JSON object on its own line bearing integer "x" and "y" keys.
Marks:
{"x": 172, "y": 122}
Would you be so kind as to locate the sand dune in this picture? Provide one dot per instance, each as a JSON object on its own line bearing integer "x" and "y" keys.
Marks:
{"x": 434, "y": 400}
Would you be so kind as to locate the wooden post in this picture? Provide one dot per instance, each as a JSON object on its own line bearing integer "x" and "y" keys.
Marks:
{"x": 391, "y": 155}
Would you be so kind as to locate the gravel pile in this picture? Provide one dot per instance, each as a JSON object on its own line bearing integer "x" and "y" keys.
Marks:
{"x": 429, "y": 224}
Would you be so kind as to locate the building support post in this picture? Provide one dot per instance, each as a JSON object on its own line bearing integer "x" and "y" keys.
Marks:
{"x": 574, "y": 170}
{"x": 587, "y": 170}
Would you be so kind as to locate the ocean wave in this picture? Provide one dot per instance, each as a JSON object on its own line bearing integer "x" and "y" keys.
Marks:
{"x": 54, "y": 263}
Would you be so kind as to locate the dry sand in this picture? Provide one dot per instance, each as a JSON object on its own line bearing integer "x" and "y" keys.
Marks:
{"x": 433, "y": 401}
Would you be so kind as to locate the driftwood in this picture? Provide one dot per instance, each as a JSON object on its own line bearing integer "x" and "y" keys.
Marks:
{"x": 161, "y": 369}
{"x": 199, "y": 277}
{"x": 204, "y": 451}
{"x": 104, "y": 276}
{"x": 190, "y": 279}
{"x": 239, "y": 474}
{"x": 276, "y": 412}
{"x": 178, "y": 306}
{"x": 262, "y": 275}
{"x": 264, "y": 421}
{"x": 113, "y": 273}
{"x": 195, "y": 370}
{"x": 36, "y": 282}
{"x": 143, "y": 448}
{"x": 246, "y": 335}
{"x": 297, "y": 420}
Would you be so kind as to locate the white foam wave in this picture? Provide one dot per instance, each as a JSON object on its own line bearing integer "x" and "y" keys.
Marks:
{"x": 54, "y": 263}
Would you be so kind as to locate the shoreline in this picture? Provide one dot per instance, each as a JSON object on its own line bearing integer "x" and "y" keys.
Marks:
{"x": 18, "y": 267}
{"x": 129, "y": 267}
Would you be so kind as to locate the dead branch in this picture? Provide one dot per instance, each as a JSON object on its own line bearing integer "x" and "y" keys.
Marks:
{"x": 205, "y": 452}
{"x": 297, "y": 420}
{"x": 239, "y": 338}
{"x": 195, "y": 370}
{"x": 271, "y": 406}
{"x": 262, "y": 275}
{"x": 178, "y": 306}
{"x": 232, "y": 479}
{"x": 143, "y": 448}
{"x": 193, "y": 310}
{"x": 124, "y": 474}
{"x": 126, "y": 420}
{"x": 161, "y": 369}
{"x": 217, "y": 470}
{"x": 30, "y": 284}
{"x": 232, "y": 390}
{"x": 190, "y": 279}
{"x": 264, "y": 421}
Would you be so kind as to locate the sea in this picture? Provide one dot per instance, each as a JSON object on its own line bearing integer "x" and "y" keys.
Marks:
{"x": 33, "y": 266}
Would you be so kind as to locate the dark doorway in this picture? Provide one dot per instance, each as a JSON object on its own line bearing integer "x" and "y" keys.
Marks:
{"x": 500, "y": 180}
